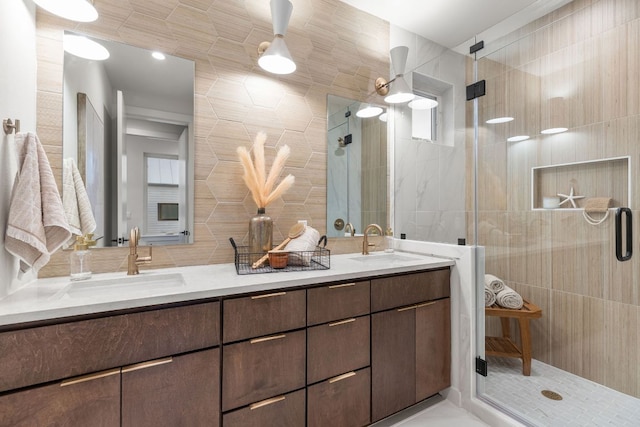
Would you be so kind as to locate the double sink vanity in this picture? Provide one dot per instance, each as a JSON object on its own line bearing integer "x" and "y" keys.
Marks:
{"x": 204, "y": 346}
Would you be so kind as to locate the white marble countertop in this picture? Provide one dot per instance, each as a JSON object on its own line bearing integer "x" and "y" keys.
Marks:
{"x": 54, "y": 298}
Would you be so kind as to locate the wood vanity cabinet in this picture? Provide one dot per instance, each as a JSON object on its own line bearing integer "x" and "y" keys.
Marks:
{"x": 154, "y": 374}
{"x": 287, "y": 410}
{"x": 411, "y": 344}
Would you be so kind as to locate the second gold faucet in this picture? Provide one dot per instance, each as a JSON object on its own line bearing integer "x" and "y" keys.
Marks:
{"x": 365, "y": 240}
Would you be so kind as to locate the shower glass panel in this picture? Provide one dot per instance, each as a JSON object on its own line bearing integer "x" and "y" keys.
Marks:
{"x": 575, "y": 70}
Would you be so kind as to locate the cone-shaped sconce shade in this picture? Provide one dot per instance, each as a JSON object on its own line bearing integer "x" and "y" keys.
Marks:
{"x": 74, "y": 10}
{"x": 277, "y": 59}
{"x": 399, "y": 91}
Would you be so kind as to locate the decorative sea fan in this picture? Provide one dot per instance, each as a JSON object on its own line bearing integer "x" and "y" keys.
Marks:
{"x": 259, "y": 183}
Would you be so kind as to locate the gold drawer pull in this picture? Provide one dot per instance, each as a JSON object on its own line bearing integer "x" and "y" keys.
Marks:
{"x": 273, "y": 337}
{"x": 344, "y": 285}
{"x": 424, "y": 304}
{"x": 342, "y": 322}
{"x": 90, "y": 377}
{"x": 342, "y": 377}
{"x": 275, "y": 294}
{"x": 411, "y": 307}
{"x": 145, "y": 365}
{"x": 266, "y": 402}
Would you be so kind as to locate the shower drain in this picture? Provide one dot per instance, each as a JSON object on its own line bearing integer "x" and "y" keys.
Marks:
{"x": 551, "y": 395}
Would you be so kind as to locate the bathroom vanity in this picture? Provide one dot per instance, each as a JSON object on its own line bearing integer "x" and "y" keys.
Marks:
{"x": 346, "y": 346}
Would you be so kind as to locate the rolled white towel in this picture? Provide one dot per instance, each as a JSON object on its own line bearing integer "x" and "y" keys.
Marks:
{"x": 489, "y": 297}
{"x": 493, "y": 283}
{"x": 301, "y": 248}
{"x": 508, "y": 298}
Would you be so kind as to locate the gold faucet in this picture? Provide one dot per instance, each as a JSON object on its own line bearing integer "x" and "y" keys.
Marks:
{"x": 351, "y": 229}
{"x": 134, "y": 259}
{"x": 365, "y": 240}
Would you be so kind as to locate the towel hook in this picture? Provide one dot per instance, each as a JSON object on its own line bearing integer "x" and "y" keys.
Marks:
{"x": 9, "y": 126}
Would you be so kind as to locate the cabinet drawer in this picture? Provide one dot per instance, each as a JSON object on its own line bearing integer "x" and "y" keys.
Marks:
{"x": 47, "y": 353}
{"x": 341, "y": 401}
{"x": 282, "y": 411}
{"x": 264, "y": 314}
{"x": 92, "y": 400}
{"x": 262, "y": 368}
{"x": 335, "y": 302}
{"x": 338, "y": 347}
{"x": 396, "y": 291}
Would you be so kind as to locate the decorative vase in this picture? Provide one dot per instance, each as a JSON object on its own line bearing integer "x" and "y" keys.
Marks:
{"x": 260, "y": 235}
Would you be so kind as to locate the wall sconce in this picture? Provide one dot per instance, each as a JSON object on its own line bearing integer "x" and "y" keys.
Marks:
{"x": 274, "y": 57}
{"x": 396, "y": 91}
{"x": 75, "y": 10}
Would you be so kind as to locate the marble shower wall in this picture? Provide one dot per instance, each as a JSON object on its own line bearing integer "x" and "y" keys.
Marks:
{"x": 338, "y": 50}
{"x": 429, "y": 182}
{"x": 576, "y": 67}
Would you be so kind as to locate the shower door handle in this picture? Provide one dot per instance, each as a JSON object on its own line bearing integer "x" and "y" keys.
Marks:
{"x": 629, "y": 234}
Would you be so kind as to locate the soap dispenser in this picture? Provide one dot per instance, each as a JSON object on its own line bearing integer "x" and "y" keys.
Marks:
{"x": 388, "y": 240}
{"x": 81, "y": 259}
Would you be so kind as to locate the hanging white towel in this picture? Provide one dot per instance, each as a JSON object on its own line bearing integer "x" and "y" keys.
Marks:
{"x": 75, "y": 200}
{"x": 493, "y": 283}
{"x": 508, "y": 298}
{"x": 37, "y": 226}
{"x": 489, "y": 297}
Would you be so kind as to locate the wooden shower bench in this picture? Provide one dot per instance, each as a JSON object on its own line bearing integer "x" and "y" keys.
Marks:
{"x": 503, "y": 346}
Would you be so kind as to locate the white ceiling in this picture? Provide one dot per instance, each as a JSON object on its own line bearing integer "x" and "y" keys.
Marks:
{"x": 452, "y": 23}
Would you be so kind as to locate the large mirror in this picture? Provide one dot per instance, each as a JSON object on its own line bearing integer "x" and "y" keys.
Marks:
{"x": 128, "y": 127}
{"x": 357, "y": 171}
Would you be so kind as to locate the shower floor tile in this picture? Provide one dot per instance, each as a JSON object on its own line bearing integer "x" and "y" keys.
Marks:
{"x": 584, "y": 403}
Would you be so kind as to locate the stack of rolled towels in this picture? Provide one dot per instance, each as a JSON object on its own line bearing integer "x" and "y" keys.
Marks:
{"x": 496, "y": 292}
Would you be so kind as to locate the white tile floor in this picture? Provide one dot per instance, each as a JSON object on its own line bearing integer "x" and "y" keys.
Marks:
{"x": 442, "y": 414}
{"x": 584, "y": 402}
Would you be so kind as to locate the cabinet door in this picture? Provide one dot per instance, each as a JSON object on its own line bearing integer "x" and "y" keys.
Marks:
{"x": 281, "y": 411}
{"x": 393, "y": 361}
{"x": 178, "y": 391}
{"x": 91, "y": 400}
{"x": 341, "y": 401}
{"x": 337, "y": 347}
{"x": 433, "y": 348}
{"x": 262, "y": 368}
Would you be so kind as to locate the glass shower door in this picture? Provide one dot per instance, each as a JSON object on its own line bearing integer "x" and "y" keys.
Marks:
{"x": 557, "y": 157}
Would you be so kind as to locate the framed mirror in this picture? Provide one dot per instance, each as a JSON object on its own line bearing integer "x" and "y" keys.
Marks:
{"x": 128, "y": 126}
{"x": 357, "y": 170}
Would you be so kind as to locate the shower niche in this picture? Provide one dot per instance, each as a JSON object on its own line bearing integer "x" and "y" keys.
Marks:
{"x": 610, "y": 177}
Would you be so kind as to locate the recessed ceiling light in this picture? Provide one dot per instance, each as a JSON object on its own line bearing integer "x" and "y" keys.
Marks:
{"x": 85, "y": 48}
{"x": 518, "y": 138}
{"x": 499, "y": 120}
{"x": 159, "y": 56}
{"x": 551, "y": 131}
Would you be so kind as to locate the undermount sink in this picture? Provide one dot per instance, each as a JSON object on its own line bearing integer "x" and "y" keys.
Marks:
{"x": 384, "y": 258}
{"x": 127, "y": 286}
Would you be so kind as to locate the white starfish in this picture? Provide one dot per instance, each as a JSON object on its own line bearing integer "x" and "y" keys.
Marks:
{"x": 570, "y": 198}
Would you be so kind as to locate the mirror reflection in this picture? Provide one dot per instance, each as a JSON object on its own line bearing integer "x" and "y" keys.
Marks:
{"x": 356, "y": 168}
{"x": 128, "y": 125}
